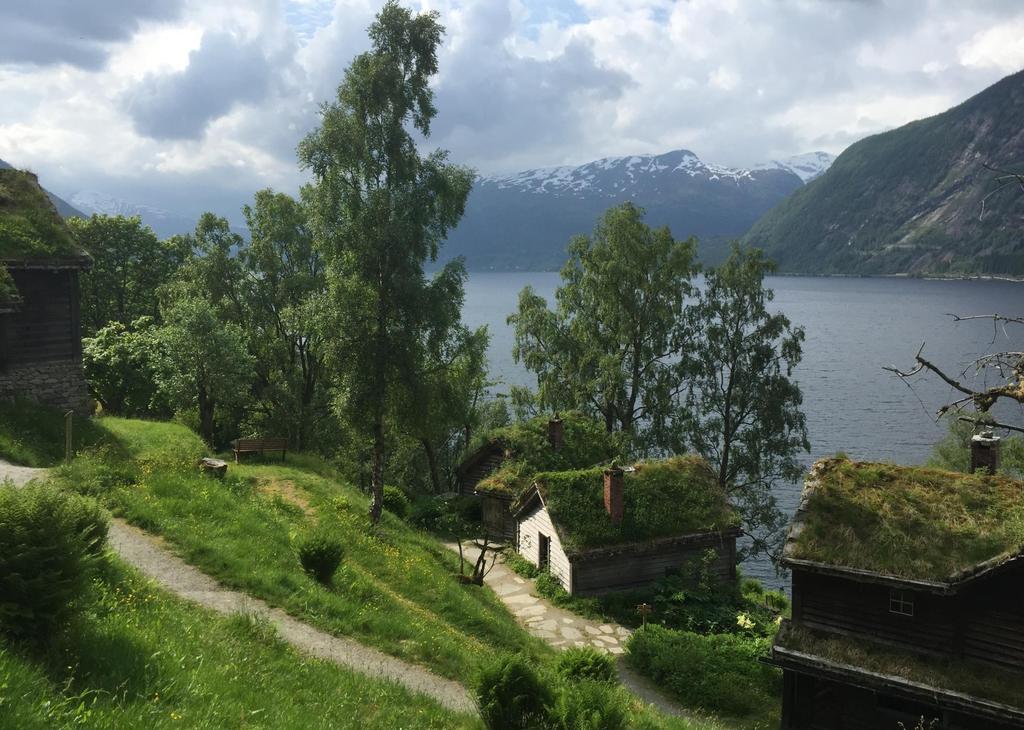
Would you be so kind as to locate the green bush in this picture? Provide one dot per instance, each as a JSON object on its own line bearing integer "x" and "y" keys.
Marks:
{"x": 511, "y": 695}
{"x": 719, "y": 673}
{"x": 320, "y": 555}
{"x": 468, "y": 508}
{"x": 426, "y": 512}
{"x": 49, "y": 546}
{"x": 591, "y": 705}
{"x": 586, "y": 662}
{"x": 396, "y": 502}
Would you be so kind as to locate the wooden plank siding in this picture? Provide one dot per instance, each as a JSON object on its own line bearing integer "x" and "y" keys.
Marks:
{"x": 480, "y": 466}
{"x": 46, "y": 326}
{"x": 640, "y": 565}
{"x": 983, "y": 621}
{"x": 533, "y": 524}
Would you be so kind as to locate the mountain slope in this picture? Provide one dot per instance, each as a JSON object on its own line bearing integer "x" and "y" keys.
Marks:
{"x": 163, "y": 223}
{"x": 909, "y": 201}
{"x": 63, "y": 207}
{"x": 525, "y": 220}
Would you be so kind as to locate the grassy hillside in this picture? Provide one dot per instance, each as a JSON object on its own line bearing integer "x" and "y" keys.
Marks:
{"x": 142, "y": 658}
{"x": 910, "y": 200}
{"x": 34, "y": 436}
{"x": 395, "y": 589}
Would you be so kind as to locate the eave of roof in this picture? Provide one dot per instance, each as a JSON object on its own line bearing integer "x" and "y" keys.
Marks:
{"x": 805, "y": 663}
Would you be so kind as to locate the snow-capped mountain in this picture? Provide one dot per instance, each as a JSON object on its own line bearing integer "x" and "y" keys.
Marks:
{"x": 162, "y": 222}
{"x": 807, "y": 166}
{"x": 525, "y": 220}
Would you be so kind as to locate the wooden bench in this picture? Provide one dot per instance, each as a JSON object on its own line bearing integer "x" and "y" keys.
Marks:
{"x": 259, "y": 446}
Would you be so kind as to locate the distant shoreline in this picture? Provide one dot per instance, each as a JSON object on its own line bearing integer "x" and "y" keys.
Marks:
{"x": 924, "y": 277}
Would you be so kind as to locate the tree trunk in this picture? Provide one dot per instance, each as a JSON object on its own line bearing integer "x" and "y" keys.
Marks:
{"x": 377, "y": 476}
{"x": 435, "y": 473}
{"x": 205, "y": 416}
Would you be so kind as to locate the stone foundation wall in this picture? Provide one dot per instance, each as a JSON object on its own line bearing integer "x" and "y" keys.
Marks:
{"x": 58, "y": 383}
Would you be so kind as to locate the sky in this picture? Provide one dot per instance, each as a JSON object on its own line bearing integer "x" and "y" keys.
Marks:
{"x": 191, "y": 105}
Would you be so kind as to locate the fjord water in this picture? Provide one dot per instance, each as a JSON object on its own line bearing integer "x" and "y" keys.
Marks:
{"x": 854, "y": 327}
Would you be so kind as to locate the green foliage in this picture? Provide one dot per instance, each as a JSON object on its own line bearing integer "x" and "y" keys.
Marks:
{"x": 394, "y": 589}
{"x": 141, "y": 658}
{"x": 676, "y": 496}
{"x": 872, "y": 517}
{"x": 591, "y": 705}
{"x": 380, "y": 212}
{"x": 518, "y": 564}
{"x": 49, "y": 543}
{"x": 512, "y": 695}
{"x": 613, "y": 343}
{"x": 719, "y": 673}
{"x": 33, "y": 435}
{"x": 30, "y": 226}
{"x": 8, "y": 289}
{"x": 425, "y": 511}
{"x": 741, "y": 404}
{"x": 320, "y": 555}
{"x": 396, "y": 502}
{"x": 586, "y": 663}
{"x": 201, "y": 362}
{"x": 120, "y": 366}
{"x": 129, "y": 266}
{"x": 953, "y": 453}
{"x": 587, "y": 443}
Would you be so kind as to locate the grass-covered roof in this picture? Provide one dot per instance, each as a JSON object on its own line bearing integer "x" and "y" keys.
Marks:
{"x": 30, "y": 227}
{"x": 945, "y": 674}
{"x": 586, "y": 443}
{"x": 906, "y": 522}
{"x": 667, "y": 498}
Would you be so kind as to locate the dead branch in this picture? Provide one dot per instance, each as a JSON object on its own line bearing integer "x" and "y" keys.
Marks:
{"x": 990, "y": 423}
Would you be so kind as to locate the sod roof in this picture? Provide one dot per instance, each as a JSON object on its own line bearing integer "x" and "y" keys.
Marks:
{"x": 668, "y": 498}
{"x": 586, "y": 444}
{"x": 893, "y": 666}
{"x": 30, "y": 227}
{"x": 906, "y": 522}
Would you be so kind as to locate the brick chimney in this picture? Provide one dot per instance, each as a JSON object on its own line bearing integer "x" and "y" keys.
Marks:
{"x": 985, "y": 452}
{"x": 556, "y": 433}
{"x": 614, "y": 485}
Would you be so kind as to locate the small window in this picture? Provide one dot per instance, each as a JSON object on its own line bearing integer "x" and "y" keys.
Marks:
{"x": 901, "y": 602}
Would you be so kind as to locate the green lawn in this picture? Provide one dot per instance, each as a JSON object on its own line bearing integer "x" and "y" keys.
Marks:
{"x": 34, "y": 436}
{"x": 139, "y": 657}
{"x": 395, "y": 589}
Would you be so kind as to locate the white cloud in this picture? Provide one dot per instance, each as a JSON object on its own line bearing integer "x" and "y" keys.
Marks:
{"x": 523, "y": 83}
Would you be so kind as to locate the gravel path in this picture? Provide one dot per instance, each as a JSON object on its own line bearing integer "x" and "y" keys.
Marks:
{"x": 18, "y": 474}
{"x": 152, "y": 557}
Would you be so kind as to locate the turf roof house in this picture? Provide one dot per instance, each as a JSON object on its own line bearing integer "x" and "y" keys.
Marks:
{"x": 600, "y": 530}
{"x": 908, "y": 598}
{"x": 40, "y": 334}
{"x": 504, "y": 464}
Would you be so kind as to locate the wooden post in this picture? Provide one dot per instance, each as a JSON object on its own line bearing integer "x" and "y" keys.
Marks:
{"x": 68, "y": 422}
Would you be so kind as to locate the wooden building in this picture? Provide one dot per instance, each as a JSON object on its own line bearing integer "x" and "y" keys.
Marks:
{"x": 40, "y": 334}
{"x": 602, "y": 530}
{"x": 500, "y": 468}
{"x": 908, "y": 600}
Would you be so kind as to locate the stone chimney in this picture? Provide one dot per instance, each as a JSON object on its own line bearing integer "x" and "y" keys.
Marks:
{"x": 614, "y": 487}
{"x": 556, "y": 433}
{"x": 985, "y": 452}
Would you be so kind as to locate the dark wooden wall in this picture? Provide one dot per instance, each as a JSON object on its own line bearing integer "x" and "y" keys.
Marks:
{"x": 636, "y": 568}
{"x": 985, "y": 621}
{"x": 488, "y": 461}
{"x": 46, "y": 327}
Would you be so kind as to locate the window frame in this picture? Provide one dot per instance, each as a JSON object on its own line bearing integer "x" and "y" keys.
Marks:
{"x": 901, "y": 603}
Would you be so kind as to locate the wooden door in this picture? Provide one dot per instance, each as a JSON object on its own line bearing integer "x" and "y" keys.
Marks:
{"x": 543, "y": 551}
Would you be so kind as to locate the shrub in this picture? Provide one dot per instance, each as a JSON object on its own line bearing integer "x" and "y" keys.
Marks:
{"x": 49, "y": 545}
{"x": 719, "y": 673}
{"x": 426, "y": 512}
{"x": 396, "y": 502}
{"x": 591, "y": 705}
{"x": 586, "y": 663}
{"x": 468, "y": 508}
{"x": 512, "y": 695}
{"x": 320, "y": 555}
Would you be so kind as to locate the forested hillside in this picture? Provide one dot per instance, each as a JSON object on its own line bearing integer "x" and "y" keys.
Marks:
{"x": 910, "y": 201}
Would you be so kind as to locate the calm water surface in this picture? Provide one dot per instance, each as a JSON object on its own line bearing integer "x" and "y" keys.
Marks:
{"x": 854, "y": 327}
